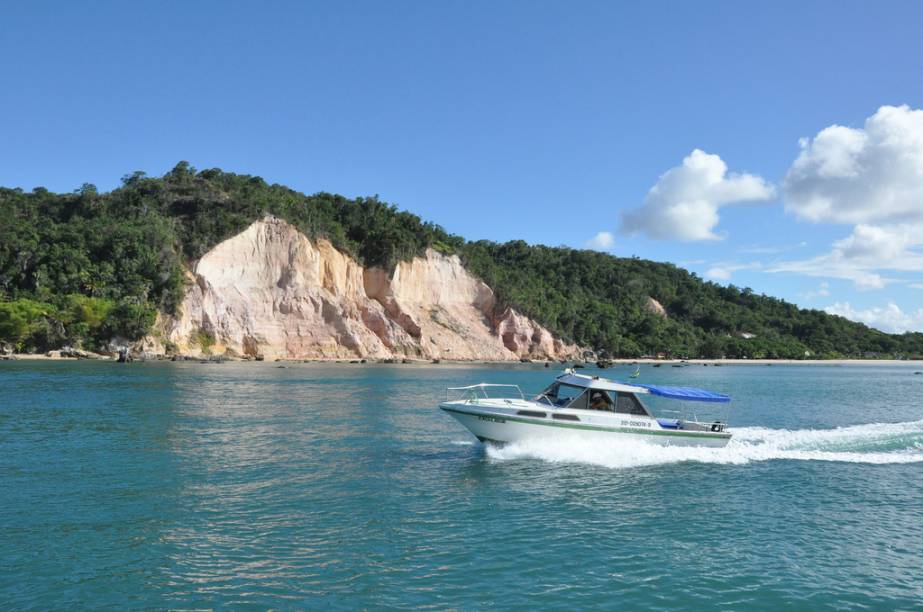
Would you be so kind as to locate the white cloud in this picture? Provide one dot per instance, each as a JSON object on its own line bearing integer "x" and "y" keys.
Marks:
{"x": 685, "y": 201}
{"x": 826, "y": 266}
{"x": 889, "y": 318}
{"x": 724, "y": 271}
{"x": 866, "y": 175}
{"x": 861, "y": 256}
{"x": 603, "y": 241}
{"x": 823, "y": 290}
{"x": 874, "y": 245}
{"x": 916, "y": 285}
{"x": 771, "y": 249}
{"x": 871, "y": 177}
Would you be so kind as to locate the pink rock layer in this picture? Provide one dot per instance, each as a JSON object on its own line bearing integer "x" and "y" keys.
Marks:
{"x": 271, "y": 291}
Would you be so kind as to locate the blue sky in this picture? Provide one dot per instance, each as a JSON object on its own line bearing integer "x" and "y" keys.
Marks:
{"x": 548, "y": 122}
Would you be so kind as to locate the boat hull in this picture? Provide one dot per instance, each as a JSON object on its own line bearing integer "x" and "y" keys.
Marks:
{"x": 499, "y": 428}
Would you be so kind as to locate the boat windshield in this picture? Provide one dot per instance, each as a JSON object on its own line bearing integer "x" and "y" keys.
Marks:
{"x": 559, "y": 394}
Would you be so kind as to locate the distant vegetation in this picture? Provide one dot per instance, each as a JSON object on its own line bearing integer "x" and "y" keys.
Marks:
{"x": 601, "y": 301}
{"x": 85, "y": 267}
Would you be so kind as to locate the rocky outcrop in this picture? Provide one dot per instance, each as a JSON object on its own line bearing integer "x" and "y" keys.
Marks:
{"x": 272, "y": 292}
{"x": 655, "y": 307}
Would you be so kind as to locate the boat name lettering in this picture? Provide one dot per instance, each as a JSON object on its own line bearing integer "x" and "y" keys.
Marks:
{"x": 636, "y": 423}
{"x": 481, "y": 417}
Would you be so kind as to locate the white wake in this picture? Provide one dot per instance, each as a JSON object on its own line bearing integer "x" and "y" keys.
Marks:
{"x": 876, "y": 443}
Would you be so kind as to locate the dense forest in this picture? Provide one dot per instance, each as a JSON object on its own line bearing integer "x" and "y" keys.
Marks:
{"x": 86, "y": 267}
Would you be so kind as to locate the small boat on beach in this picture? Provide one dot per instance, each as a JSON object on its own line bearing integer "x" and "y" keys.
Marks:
{"x": 589, "y": 407}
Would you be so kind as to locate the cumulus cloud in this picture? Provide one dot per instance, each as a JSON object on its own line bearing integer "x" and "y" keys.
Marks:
{"x": 873, "y": 244}
{"x": 888, "y": 318}
{"x": 603, "y": 241}
{"x": 861, "y": 175}
{"x": 871, "y": 178}
{"x": 685, "y": 201}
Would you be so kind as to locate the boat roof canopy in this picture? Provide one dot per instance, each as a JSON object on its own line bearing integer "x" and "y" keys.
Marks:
{"x": 686, "y": 393}
{"x": 678, "y": 393}
{"x": 597, "y": 382}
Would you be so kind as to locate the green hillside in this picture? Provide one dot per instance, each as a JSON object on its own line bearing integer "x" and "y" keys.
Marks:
{"x": 83, "y": 267}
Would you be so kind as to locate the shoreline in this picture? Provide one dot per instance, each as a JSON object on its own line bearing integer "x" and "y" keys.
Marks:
{"x": 708, "y": 362}
{"x": 418, "y": 362}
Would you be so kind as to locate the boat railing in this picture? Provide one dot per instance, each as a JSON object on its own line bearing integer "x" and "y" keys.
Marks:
{"x": 480, "y": 391}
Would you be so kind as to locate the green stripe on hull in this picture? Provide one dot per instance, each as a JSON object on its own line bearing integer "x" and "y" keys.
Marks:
{"x": 652, "y": 432}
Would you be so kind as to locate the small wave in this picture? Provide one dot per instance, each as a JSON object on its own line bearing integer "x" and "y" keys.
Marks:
{"x": 876, "y": 443}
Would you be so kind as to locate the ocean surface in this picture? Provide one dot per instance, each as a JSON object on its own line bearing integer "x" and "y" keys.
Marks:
{"x": 187, "y": 485}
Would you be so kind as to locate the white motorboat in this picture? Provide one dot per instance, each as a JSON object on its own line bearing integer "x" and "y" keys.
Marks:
{"x": 587, "y": 407}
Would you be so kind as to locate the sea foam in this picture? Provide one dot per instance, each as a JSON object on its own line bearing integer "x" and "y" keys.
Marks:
{"x": 875, "y": 443}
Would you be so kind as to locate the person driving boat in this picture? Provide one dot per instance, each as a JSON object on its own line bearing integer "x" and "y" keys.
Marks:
{"x": 599, "y": 400}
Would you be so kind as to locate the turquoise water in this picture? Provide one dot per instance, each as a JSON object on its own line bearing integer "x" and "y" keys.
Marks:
{"x": 194, "y": 486}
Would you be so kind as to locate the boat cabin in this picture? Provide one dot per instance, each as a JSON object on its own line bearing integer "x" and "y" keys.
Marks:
{"x": 582, "y": 392}
{"x": 587, "y": 393}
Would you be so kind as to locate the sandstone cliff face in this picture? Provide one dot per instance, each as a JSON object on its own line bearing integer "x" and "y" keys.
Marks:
{"x": 271, "y": 291}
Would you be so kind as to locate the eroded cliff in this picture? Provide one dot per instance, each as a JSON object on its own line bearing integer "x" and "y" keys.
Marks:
{"x": 271, "y": 291}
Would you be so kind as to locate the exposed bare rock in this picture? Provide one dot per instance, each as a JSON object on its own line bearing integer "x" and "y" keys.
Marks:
{"x": 271, "y": 293}
{"x": 526, "y": 338}
{"x": 656, "y": 307}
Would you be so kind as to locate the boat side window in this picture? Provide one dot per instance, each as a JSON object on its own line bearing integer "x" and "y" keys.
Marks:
{"x": 600, "y": 400}
{"x": 627, "y": 403}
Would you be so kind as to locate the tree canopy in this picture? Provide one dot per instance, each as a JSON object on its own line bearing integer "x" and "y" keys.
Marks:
{"x": 84, "y": 267}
